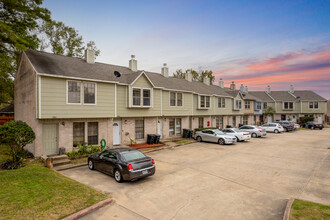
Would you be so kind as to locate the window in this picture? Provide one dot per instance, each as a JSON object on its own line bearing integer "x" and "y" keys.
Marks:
{"x": 234, "y": 121}
{"x": 137, "y": 97}
{"x": 178, "y": 126}
{"x": 172, "y": 126}
{"x": 255, "y": 119}
{"x": 175, "y": 98}
{"x": 78, "y": 133}
{"x": 265, "y": 105}
{"x": 221, "y": 102}
{"x": 204, "y": 101}
{"x": 139, "y": 129}
{"x": 238, "y": 104}
{"x": 245, "y": 120}
{"x": 200, "y": 122}
{"x": 288, "y": 105}
{"x": 146, "y": 97}
{"x": 74, "y": 92}
{"x": 313, "y": 105}
{"x": 89, "y": 93}
{"x": 93, "y": 130}
{"x": 219, "y": 122}
{"x": 258, "y": 105}
{"x": 247, "y": 104}
{"x": 179, "y": 99}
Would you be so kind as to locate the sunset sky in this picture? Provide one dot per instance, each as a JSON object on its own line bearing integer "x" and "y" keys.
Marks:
{"x": 255, "y": 43}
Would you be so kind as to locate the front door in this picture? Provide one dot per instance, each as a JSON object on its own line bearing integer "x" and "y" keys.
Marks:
{"x": 160, "y": 128}
{"x": 49, "y": 139}
{"x": 319, "y": 119}
{"x": 116, "y": 132}
{"x": 294, "y": 119}
{"x": 269, "y": 119}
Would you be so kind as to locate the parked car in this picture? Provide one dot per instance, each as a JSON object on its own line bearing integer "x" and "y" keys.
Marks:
{"x": 313, "y": 125}
{"x": 239, "y": 135}
{"x": 122, "y": 163}
{"x": 296, "y": 126}
{"x": 255, "y": 131}
{"x": 287, "y": 125}
{"x": 273, "y": 127}
{"x": 214, "y": 135}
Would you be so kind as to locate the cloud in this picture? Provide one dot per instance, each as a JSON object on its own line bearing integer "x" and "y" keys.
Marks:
{"x": 305, "y": 69}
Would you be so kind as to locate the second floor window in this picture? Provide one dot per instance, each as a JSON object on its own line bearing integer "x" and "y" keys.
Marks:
{"x": 288, "y": 105}
{"x": 313, "y": 105}
{"x": 74, "y": 92}
{"x": 146, "y": 97}
{"x": 141, "y": 97}
{"x": 175, "y": 98}
{"x": 238, "y": 104}
{"x": 258, "y": 106}
{"x": 247, "y": 104}
{"x": 89, "y": 93}
{"x": 136, "y": 96}
{"x": 204, "y": 102}
{"x": 221, "y": 102}
{"x": 265, "y": 105}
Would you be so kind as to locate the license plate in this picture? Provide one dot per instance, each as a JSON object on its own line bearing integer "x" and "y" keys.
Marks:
{"x": 144, "y": 172}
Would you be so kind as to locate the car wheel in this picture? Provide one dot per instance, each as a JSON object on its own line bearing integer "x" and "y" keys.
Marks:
{"x": 90, "y": 165}
{"x": 286, "y": 129}
{"x": 254, "y": 135}
{"x": 199, "y": 139}
{"x": 237, "y": 139}
{"x": 118, "y": 176}
{"x": 221, "y": 141}
{"x": 276, "y": 131}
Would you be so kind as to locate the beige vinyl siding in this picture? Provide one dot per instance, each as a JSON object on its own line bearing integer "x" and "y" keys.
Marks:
{"x": 124, "y": 111}
{"x": 279, "y": 108}
{"x": 142, "y": 82}
{"x": 53, "y": 101}
{"x": 228, "y": 110}
{"x": 209, "y": 111}
{"x": 322, "y": 107}
{"x": 185, "y": 109}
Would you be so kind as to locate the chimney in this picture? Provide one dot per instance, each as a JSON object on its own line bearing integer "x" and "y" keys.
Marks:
{"x": 221, "y": 83}
{"x": 189, "y": 77}
{"x": 291, "y": 89}
{"x": 242, "y": 89}
{"x": 165, "y": 70}
{"x": 246, "y": 89}
{"x": 232, "y": 86}
{"x": 133, "y": 63}
{"x": 268, "y": 89}
{"x": 207, "y": 81}
{"x": 89, "y": 54}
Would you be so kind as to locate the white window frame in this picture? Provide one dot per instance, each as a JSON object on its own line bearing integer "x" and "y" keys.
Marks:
{"x": 82, "y": 93}
{"x": 199, "y": 102}
{"x": 313, "y": 103}
{"x": 222, "y": 102}
{"x": 141, "y": 98}
{"x": 247, "y": 104}
{"x": 235, "y": 104}
{"x": 258, "y": 103}
{"x": 175, "y": 99}
{"x": 283, "y": 106}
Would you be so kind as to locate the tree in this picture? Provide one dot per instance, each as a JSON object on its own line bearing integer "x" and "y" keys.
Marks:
{"x": 18, "y": 20}
{"x": 63, "y": 39}
{"x": 197, "y": 76}
{"x": 16, "y": 134}
{"x": 269, "y": 111}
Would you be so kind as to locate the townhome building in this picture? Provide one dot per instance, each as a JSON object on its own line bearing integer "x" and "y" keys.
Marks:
{"x": 70, "y": 101}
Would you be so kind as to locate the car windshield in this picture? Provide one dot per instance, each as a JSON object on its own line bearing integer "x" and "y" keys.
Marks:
{"x": 218, "y": 132}
{"x": 132, "y": 155}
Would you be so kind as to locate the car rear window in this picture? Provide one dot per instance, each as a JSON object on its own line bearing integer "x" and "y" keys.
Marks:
{"x": 132, "y": 155}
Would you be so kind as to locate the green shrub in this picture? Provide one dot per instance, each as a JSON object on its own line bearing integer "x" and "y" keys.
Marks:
{"x": 94, "y": 149}
{"x": 306, "y": 119}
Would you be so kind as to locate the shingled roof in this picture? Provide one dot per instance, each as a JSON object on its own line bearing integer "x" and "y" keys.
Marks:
{"x": 307, "y": 95}
{"x": 261, "y": 96}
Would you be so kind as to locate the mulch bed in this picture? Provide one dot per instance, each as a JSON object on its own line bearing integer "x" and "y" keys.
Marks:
{"x": 139, "y": 146}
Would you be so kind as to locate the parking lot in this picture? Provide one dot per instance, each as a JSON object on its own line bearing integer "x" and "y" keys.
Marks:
{"x": 250, "y": 180}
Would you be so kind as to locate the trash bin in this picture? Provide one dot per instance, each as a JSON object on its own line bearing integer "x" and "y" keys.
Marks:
{"x": 240, "y": 125}
{"x": 185, "y": 133}
{"x": 156, "y": 138}
{"x": 228, "y": 126}
{"x": 190, "y": 133}
{"x": 150, "y": 138}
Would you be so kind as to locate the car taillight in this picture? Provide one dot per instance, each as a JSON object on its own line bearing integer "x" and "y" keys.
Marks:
{"x": 279, "y": 127}
{"x": 153, "y": 161}
{"x": 246, "y": 134}
{"x": 260, "y": 131}
{"x": 316, "y": 125}
{"x": 130, "y": 167}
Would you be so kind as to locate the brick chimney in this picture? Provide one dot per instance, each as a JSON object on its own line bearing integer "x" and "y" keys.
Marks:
{"x": 165, "y": 70}
{"x": 133, "y": 63}
{"x": 89, "y": 54}
{"x": 232, "y": 86}
{"x": 221, "y": 84}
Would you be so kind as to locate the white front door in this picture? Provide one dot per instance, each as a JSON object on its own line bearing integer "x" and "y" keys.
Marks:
{"x": 294, "y": 119}
{"x": 160, "y": 128}
{"x": 116, "y": 132}
{"x": 319, "y": 119}
{"x": 269, "y": 119}
{"x": 49, "y": 139}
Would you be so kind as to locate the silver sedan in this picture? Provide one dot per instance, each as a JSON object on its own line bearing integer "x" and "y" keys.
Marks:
{"x": 214, "y": 135}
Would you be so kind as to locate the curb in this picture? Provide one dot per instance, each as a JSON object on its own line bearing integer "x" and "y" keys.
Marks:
{"x": 88, "y": 210}
{"x": 287, "y": 211}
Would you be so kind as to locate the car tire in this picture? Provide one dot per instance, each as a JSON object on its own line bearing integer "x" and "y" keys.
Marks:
{"x": 91, "y": 165}
{"x": 199, "y": 139}
{"x": 276, "y": 131}
{"x": 221, "y": 141}
{"x": 118, "y": 177}
{"x": 321, "y": 128}
{"x": 287, "y": 130}
{"x": 254, "y": 135}
{"x": 237, "y": 139}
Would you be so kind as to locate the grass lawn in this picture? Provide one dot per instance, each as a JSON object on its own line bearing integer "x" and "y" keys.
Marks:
{"x": 308, "y": 210}
{"x": 184, "y": 141}
{"x": 36, "y": 192}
